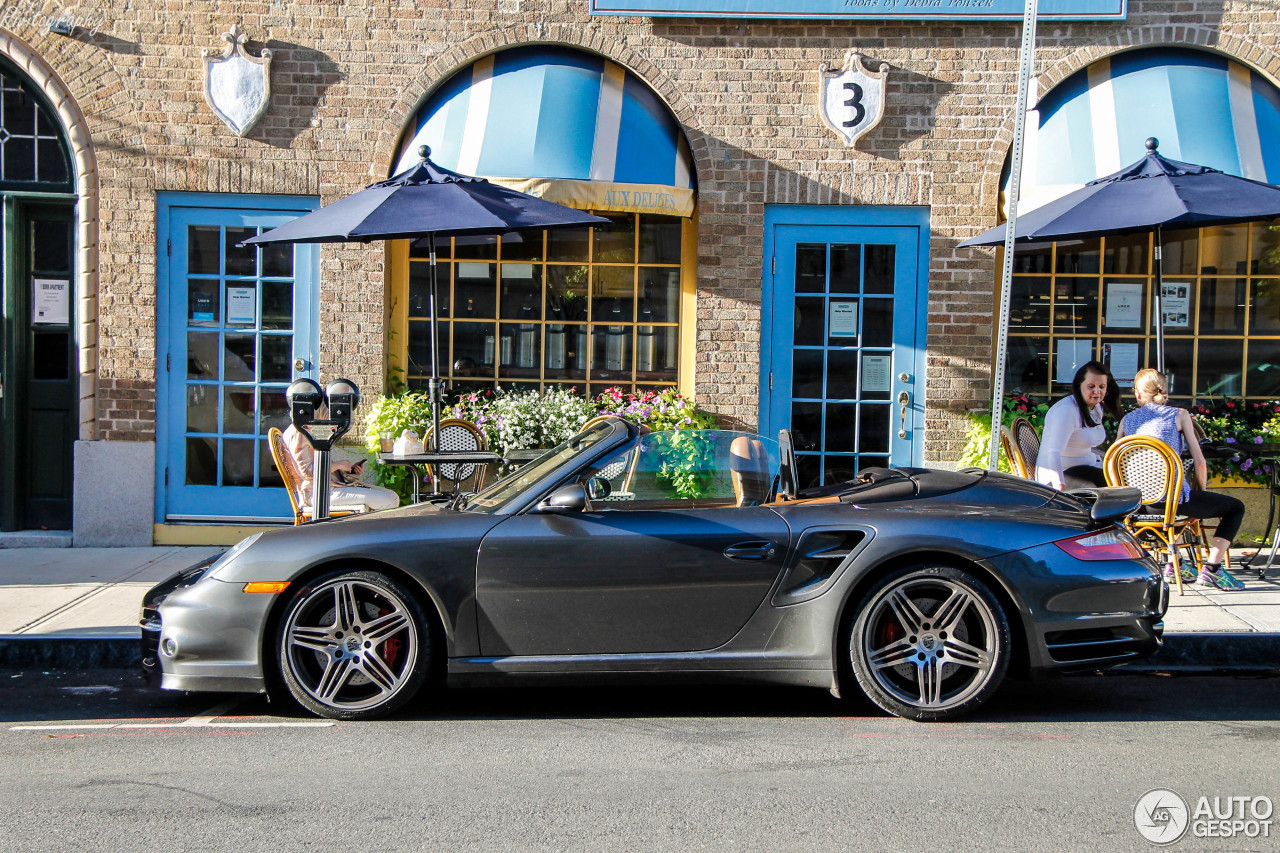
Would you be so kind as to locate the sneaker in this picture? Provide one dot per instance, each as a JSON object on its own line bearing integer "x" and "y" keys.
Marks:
{"x": 1218, "y": 580}
{"x": 1187, "y": 571}
{"x": 1234, "y": 582}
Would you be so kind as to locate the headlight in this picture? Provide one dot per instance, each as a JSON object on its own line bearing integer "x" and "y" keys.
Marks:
{"x": 233, "y": 553}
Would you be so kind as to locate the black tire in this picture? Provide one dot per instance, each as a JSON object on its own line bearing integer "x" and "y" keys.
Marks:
{"x": 929, "y": 643}
{"x": 353, "y": 645}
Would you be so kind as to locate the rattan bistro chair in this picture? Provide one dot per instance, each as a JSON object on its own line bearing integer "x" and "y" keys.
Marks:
{"x": 1014, "y": 455}
{"x": 459, "y": 436}
{"x": 293, "y": 482}
{"x": 1152, "y": 467}
{"x": 1028, "y": 442}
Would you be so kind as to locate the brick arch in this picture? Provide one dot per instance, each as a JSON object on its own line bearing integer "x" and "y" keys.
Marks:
{"x": 1247, "y": 53}
{"x": 42, "y": 76}
{"x": 445, "y": 64}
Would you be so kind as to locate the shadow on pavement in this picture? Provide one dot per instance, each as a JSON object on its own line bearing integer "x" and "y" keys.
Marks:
{"x": 121, "y": 695}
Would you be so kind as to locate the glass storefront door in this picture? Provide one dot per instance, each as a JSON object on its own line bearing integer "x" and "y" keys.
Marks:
{"x": 238, "y": 324}
{"x": 841, "y": 359}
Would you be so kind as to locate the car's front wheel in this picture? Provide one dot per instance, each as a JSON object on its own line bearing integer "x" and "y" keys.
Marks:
{"x": 929, "y": 643}
{"x": 353, "y": 645}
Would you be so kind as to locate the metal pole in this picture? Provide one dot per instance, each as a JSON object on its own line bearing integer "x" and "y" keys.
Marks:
{"x": 1159, "y": 300}
{"x": 1026, "y": 62}
{"x": 434, "y": 385}
{"x": 320, "y": 484}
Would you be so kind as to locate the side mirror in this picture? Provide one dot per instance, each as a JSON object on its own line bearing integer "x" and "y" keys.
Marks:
{"x": 598, "y": 488}
{"x": 570, "y": 498}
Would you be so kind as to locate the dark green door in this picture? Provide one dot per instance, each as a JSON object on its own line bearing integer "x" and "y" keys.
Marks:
{"x": 39, "y": 367}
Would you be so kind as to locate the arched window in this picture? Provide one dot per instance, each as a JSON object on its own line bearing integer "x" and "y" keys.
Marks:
{"x": 1093, "y": 298}
{"x": 589, "y": 308}
{"x": 33, "y": 154}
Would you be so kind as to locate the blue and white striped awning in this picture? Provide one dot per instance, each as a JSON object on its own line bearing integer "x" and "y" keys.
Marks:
{"x": 563, "y": 124}
{"x": 1204, "y": 108}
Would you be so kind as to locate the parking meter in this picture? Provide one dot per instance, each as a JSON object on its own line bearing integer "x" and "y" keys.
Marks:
{"x": 343, "y": 397}
{"x": 305, "y": 400}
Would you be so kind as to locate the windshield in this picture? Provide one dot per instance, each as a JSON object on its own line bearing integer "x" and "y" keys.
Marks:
{"x": 687, "y": 468}
{"x": 501, "y": 493}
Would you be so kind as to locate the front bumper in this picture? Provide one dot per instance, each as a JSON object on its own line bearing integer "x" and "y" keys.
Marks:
{"x": 201, "y": 633}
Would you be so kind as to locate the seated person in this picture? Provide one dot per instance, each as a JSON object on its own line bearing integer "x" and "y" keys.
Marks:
{"x": 341, "y": 492}
{"x": 1068, "y": 458}
{"x": 1173, "y": 426}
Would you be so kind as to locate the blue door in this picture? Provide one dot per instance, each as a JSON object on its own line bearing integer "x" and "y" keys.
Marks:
{"x": 237, "y": 325}
{"x": 843, "y": 328}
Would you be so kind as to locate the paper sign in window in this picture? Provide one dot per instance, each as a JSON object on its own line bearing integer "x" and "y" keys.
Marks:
{"x": 242, "y": 306}
{"x": 1123, "y": 361}
{"x": 844, "y": 320}
{"x": 1176, "y": 304}
{"x": 50, "y": 301}
{"x": 1072, "y": 354}
{"x": 1124, "y": 305}
{"x": 875, "y": 373}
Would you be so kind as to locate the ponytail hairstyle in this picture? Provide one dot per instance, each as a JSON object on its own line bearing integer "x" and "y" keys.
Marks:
{"x": 1150, "y": 383}
{"x": 1110, "y": 403}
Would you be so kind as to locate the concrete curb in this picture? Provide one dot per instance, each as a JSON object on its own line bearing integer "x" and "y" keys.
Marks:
{"x": 1208, "y": 653}
{"x": 1230, "y": 653}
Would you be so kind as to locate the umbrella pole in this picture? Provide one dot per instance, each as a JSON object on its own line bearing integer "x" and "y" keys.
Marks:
{"x": 1159, "y": 300}
{"x": 434, "y": 384}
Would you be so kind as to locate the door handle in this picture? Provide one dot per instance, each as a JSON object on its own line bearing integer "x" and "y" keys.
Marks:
{"x": 751, "y": 550}
{"x": 300, "y": 364}
{"x": 904, "y": 400}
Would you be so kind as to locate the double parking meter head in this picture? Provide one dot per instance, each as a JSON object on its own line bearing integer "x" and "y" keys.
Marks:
{"x": 343, "y": 397}
{"x": 305, "y": 399}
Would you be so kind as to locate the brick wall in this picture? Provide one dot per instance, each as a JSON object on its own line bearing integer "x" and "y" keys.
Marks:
{"x": 347, "y": 76}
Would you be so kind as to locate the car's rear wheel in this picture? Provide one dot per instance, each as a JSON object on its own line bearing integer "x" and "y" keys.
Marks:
{"x": 353, "y": 645}
{"x": 929, "y": 643}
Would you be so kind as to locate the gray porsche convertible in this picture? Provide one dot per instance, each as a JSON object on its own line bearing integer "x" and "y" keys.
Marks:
{"x": 623, "y": 556}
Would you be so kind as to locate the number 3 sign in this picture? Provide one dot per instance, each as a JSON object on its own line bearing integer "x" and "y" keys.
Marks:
{"x": 851, "y": 100}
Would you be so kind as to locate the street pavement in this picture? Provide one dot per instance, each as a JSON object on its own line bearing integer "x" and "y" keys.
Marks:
{"x": 95, "y": 761}
{"x": 76, "y": 606}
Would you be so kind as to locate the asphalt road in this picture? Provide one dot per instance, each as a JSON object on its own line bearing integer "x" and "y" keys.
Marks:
{"x": 94, "y": 761}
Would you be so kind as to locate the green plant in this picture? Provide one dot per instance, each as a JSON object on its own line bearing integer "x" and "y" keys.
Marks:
{"x": 522, "y": 420}
{"x": 977, "y": 448}
{"x": 688, "y": 459}
{"x": 394, "y": 413}
{"x": 658, "y": 410}
{"x": 1240, "y": 423}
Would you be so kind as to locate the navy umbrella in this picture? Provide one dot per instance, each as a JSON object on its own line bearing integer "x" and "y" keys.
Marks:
{"x": 426, "y": 201}
{"x": 1153, "y": 193}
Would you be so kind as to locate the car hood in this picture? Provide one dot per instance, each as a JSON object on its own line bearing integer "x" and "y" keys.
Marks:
{"x": 404, "y": 536}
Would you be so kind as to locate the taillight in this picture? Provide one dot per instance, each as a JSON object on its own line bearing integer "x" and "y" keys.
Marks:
{"x": 1114, "y": 543}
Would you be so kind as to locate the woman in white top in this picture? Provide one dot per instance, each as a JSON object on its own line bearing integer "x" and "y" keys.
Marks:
{"x": 1073, "y": 429}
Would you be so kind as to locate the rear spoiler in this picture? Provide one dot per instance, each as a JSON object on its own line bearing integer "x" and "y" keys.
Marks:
{"x": 1110, "y": 503}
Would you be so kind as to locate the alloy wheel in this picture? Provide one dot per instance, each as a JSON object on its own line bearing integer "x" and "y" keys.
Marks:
{"x": 352, "y": 646}
{"x": 930, "y": 644}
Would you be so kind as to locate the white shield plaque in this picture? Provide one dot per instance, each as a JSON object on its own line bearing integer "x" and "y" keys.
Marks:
{"x": 237, "y": 86}
{"x": 851, "y": 100}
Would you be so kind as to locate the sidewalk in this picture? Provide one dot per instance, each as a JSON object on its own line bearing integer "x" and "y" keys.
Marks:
{"x": 80, "y": 607}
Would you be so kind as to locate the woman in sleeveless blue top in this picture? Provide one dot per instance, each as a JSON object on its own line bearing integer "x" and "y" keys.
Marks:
{"x": 1172, "y": 425}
